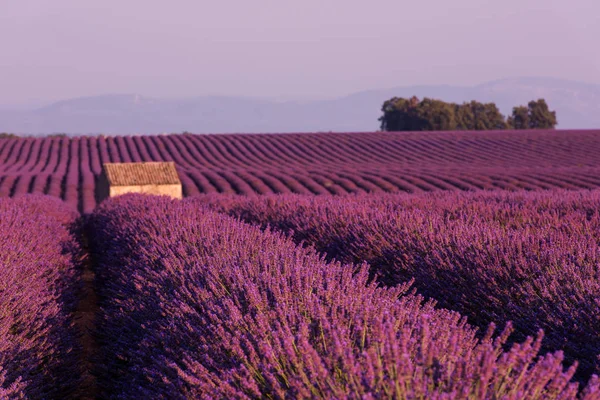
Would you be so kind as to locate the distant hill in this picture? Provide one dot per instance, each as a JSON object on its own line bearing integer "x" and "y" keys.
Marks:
{"x": 577, "y": 105}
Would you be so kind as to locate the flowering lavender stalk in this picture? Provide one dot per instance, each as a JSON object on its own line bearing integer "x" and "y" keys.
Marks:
{"x": 197, "y": 305}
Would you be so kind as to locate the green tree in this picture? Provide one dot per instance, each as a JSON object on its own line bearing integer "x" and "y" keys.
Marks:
{"x": 519, "y": 118}
{"x": 401, "y": 114}
{"x": 476, "y": 116}
{"x": 540, "y": 116}
{"x": 536, "y": 115}
{"x": 436, "y": 115}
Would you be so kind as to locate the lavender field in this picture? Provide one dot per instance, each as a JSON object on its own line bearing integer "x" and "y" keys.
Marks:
{"x": 321, "y": 163}
{"x": 331, "y": 266}
{"x": 532, "y": 258}
{"x": 209, "y": 307}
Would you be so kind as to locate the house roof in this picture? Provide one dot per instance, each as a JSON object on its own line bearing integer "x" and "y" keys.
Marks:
{"x": 141, "y": 173}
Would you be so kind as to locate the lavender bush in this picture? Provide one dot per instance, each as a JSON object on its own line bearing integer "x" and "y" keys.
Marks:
{"x": 38, "y": 282}
{"x": 197, "y": 305}
{"x": 530, "y": 258}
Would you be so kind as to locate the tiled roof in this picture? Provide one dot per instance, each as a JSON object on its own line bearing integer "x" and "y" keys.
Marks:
{"x": 141, "y": 173}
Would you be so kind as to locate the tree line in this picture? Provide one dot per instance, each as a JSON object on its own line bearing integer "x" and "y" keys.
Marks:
{"x": 400, "y": 114}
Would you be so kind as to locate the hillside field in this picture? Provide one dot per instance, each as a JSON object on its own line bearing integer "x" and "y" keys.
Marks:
{"x": 324, "y": 266}
{"x": 321, "y": 163}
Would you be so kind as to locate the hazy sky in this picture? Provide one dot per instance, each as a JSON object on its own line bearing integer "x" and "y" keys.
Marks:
{"x": 66, "y": 48}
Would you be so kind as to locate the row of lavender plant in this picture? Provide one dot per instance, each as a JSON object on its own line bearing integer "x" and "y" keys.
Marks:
{"x": 530, "y": 258}
{"x": 197, "y": 305}
{"x": 38, "y": 285}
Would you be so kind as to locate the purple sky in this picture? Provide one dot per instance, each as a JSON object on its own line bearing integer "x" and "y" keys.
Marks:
{"x": 272, "y": 48}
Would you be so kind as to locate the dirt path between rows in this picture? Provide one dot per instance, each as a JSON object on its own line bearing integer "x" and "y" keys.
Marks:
{"x": 84, "y": 322}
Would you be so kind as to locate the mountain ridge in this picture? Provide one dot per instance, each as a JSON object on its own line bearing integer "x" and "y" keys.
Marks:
{"x": 577, "y": 105}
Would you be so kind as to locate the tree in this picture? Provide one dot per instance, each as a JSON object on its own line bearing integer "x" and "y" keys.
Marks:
{"x": 540, "y": 116}
{"x": 400, "y": 114}
{"x": 519, "y": 118}
{"x": 535, "y": 116}
{"x": 436, "y": 115}
{"x": 476, "y": 116}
